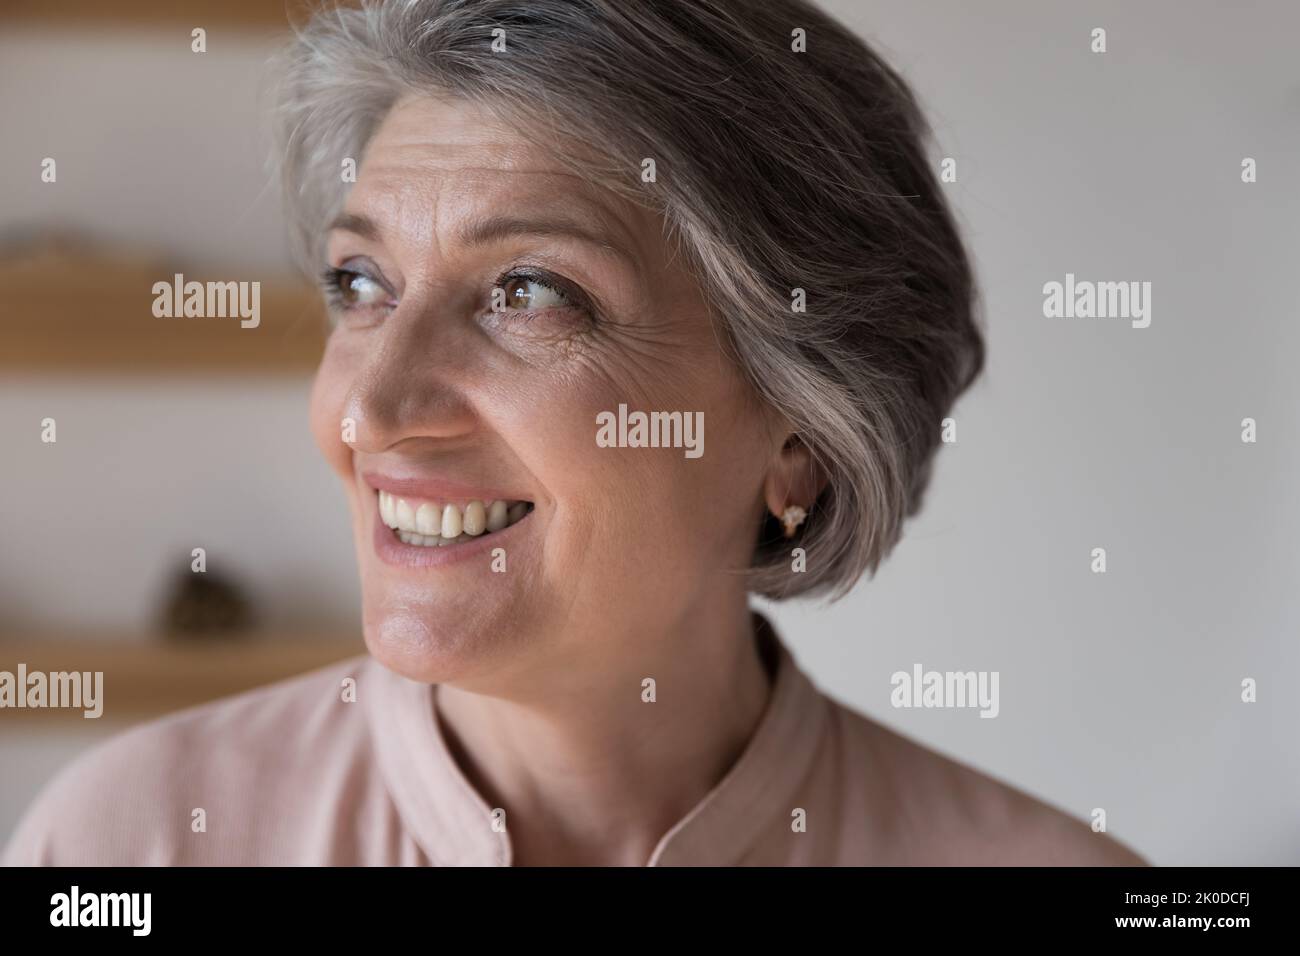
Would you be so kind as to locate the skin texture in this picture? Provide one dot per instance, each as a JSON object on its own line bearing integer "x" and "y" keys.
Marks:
{"x": 628, "y": 566}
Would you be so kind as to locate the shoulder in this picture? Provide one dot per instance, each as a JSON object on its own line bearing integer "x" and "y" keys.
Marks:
{"x": 941, "y": 811}
{"x": 135, "y": 799}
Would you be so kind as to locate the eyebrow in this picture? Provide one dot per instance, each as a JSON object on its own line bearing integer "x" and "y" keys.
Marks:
{"x": 357, "y": 225}
{"x": 496, "y": 228}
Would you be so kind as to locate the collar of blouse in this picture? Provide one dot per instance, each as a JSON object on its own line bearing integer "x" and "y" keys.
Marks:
{"x": 453, "y": 825}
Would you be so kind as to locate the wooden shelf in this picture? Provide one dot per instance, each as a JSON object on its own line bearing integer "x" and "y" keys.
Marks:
{"x": 199, "y": 13}
{"x": 143, "y": 680}
{"x": 93, "y": 313}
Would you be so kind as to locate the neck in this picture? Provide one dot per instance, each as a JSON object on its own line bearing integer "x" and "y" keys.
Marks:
{"x": 588, "y": 771}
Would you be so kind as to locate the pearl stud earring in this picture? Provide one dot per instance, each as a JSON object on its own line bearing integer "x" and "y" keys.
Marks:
{"x": 792, "y": 517}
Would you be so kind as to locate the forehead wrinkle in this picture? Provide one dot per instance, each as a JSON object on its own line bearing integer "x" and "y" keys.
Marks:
{"x": 432, "y": 167}
{"x": 427, "y": 212}
{"x": 400, "y": 209}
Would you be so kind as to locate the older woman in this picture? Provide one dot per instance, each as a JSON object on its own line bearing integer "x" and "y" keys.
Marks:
{"x": 583, "y": 237}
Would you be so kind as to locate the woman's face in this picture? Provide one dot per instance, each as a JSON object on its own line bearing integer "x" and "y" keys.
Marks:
{"x": 459, "y": 400}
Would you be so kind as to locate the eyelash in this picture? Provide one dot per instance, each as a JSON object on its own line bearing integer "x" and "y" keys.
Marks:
{"x": 332, "y": 278}
{"x": 331, "y": 283}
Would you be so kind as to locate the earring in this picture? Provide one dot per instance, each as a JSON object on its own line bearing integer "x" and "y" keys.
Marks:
{"x": 792, "y": 517}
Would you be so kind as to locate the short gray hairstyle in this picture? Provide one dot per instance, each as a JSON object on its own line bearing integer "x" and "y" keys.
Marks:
{"x": 777, "y": 170}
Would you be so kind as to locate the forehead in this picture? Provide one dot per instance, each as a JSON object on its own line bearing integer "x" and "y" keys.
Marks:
{"x": 445, "y": 133}
{"x": 434, "y": 162}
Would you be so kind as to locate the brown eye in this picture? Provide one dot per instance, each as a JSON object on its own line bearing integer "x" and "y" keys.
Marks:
{"x": 359, "y": 290}
{"x": 524, "y": 294}
{"x": 345, "y": 289}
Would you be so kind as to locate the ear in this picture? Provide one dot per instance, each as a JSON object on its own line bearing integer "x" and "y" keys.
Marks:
{"x": 793, "y": 478}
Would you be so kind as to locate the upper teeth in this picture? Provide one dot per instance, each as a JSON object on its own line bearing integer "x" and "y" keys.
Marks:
{"x": 429, "y": 523}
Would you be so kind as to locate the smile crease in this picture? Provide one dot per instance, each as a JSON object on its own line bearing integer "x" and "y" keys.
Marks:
{"x": 429, "y": 524}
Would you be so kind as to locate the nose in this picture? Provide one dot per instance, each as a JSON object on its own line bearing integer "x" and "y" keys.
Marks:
{"x": 411, "y": 383}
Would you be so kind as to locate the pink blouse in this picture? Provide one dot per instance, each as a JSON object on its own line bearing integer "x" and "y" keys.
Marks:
{"x": 294, "y": 774}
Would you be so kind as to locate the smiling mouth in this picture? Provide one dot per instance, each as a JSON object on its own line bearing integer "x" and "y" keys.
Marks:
{"x": 431, "y": 524}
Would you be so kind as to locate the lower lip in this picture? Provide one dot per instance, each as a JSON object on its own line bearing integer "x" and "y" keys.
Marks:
{"x": 392, "y": 550}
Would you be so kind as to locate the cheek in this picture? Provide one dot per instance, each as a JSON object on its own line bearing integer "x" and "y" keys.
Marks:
{"x": 674, "y": 512}
{"x": 328, "y": 398}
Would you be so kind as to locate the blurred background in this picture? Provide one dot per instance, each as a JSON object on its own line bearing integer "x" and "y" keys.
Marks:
{"x": 1119, "y": 691}
{"x": 171, "y": 435}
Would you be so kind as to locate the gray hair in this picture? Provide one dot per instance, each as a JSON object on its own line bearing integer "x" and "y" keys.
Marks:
{"x": 778, "y": 170}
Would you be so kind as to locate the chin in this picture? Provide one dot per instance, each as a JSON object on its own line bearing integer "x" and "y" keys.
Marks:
{"x": 417, "y": 647}
{"x": 442, "y": 641}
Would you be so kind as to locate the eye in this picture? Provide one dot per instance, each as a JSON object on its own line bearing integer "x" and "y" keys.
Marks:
{"x": 524, "y": 292}
{"x": 346, "y": 289}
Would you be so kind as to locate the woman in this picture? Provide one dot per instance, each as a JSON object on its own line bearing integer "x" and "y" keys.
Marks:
{"x": 583, "y": 237}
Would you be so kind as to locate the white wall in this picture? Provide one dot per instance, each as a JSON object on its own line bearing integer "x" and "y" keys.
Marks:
{"x": 167, "y": 466}
{"x": 1119, "y": 690}
{"x": 150, "y": 139}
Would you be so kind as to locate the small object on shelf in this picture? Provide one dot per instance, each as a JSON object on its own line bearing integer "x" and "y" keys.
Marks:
{"x": 204, "y": 606}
